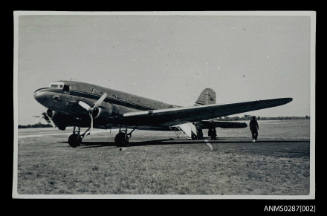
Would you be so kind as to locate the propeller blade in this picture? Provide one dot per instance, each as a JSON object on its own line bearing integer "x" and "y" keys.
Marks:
{"x": 91, "y": 117}
{"x": 52, "y": 123}
{"x": 91, "y": 109}
{"x": 84, "y": 105}
{"x": 42, "y": 118}
{"x": 39, "y": 119}
{"x": 101, "y": 99}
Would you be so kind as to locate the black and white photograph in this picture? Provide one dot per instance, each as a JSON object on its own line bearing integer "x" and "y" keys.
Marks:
{"x": 164, "y": 105}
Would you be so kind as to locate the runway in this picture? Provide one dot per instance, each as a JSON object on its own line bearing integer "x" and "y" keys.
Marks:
{"x": 161, "y": 163}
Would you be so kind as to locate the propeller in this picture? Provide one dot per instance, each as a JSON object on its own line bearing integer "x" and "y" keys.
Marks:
{"x": 45, "y": 117}
{"x": 93, "y": 108}
{"x": 48, "y": 118}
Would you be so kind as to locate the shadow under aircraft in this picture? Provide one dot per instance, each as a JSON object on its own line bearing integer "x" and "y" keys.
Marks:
{"x": 80, "y": 104}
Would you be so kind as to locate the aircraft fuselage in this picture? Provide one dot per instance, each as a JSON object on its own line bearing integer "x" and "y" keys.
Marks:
{"x": 62, "y": 99}
{"x": 80, "y": 104}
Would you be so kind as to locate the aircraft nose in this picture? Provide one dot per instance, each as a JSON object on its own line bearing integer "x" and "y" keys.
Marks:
{"x": 40, "y": 96}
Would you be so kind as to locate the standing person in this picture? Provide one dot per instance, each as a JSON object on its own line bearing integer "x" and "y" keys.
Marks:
{"x": 212, "y": 133}
{"x": 254, "y": 127}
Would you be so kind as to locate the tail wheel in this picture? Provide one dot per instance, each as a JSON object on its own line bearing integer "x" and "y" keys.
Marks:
{"x": 74, "y": 140}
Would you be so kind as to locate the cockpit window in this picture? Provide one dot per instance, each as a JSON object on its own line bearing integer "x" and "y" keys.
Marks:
{"x": 57, "y": 85}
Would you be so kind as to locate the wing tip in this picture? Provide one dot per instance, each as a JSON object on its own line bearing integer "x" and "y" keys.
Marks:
{"x": 281, "y": 100}
{"x": 287, "y": 100}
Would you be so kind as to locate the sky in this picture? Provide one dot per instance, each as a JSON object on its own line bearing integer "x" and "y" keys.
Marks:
{"x": 168, "y": 58}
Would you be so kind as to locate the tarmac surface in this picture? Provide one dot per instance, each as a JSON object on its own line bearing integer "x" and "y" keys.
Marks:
{"x": 161, "y": 163}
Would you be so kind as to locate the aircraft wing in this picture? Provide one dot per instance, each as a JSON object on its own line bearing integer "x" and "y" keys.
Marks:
{"x": 180, "y": 115}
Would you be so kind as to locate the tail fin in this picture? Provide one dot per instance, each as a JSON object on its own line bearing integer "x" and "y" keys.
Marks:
{"x": 207, "y": 96}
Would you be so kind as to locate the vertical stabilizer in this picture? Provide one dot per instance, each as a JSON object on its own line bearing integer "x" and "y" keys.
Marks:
{"x": 207, "y": 96}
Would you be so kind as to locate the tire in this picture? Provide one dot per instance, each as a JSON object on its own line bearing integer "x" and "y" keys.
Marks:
{"x": 74, "y": 140}
{"x": 121, "y": 140}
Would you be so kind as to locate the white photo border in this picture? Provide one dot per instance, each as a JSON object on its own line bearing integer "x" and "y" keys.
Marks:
{"x": 310, "y": 196}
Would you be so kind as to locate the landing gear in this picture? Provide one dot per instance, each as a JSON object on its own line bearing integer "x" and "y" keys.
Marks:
{"x": 122, "y": 138}
{"x": 75, "y": 139}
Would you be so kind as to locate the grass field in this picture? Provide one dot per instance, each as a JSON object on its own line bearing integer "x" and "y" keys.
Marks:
{"x": 154, "y": 164}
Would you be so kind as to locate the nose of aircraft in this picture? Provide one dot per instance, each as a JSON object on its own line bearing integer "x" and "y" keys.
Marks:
{"x": 40, "y": 96}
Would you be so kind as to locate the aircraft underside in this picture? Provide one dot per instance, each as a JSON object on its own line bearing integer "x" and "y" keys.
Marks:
{"x": 123, "y": 136}
{"x": 63, "y": 120}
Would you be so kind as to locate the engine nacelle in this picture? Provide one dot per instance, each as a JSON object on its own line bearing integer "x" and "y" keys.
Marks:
{"x": 100, "y": 113}
{"x": 96, "y": 112}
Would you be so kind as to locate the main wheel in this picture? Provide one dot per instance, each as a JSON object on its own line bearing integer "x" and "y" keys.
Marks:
{"x": 74, "y": 140}
{"x": 121, "y": 139}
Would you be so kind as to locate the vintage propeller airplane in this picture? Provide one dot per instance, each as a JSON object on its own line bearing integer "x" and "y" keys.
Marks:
{"x": 79, "y": 104}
